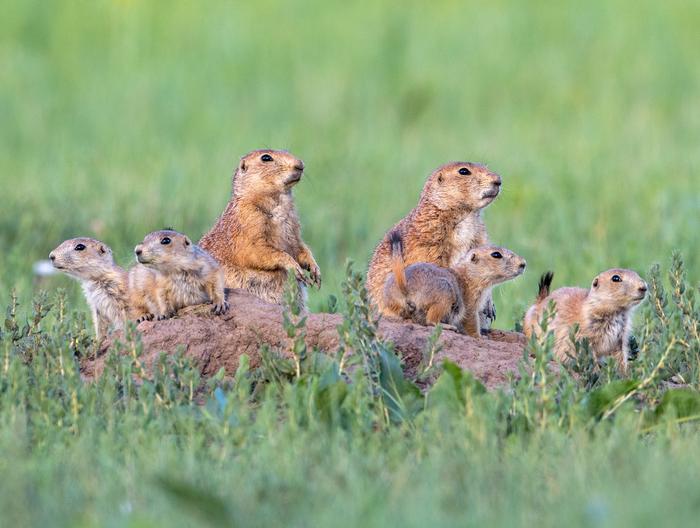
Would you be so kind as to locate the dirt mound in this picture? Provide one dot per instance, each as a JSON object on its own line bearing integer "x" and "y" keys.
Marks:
{"x": 214, "y": 342}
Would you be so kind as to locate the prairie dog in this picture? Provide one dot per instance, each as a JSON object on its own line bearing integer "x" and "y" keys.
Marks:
{"x": 428, "y": 294}
{"x": 603, "y": 313}
{"x": 104, "y": 283}
{"x": 257, "y": 239}
{"x": 422, "y": 292}
{"x": 478, "y": 271}
{"x": 173, "y": 273}
{"x": 445, "y": 223}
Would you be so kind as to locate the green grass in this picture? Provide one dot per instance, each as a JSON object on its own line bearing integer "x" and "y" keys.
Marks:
{"x": 120, "y": 117}
{"x": 270, "y": 448}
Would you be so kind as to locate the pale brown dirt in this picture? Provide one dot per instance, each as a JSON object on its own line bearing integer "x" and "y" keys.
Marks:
{"x": 219, "y": 341}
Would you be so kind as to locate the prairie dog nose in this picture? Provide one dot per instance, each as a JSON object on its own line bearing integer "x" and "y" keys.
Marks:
{"x": 643, "y": 288}
{"x": 52, "y": 256}
{"x": 299, "y": 165}
{"x": 138, "y": 250}
{"x": 497, "y": 182}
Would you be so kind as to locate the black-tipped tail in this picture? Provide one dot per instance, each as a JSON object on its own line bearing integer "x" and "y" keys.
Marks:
{"x": 545, "y": 284}
{"x": 396, "y": 242}
{"x": 397, "y": 263}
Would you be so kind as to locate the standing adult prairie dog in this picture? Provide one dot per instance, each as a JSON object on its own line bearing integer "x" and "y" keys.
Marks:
{"x": 445, "y": 223}
{"x": 104, "y": 283}
{"x": 257, "y": 239}
{"x": 429, "y": 294}
{"x": 173, "y": 273}
{"x": 603, "y": 313}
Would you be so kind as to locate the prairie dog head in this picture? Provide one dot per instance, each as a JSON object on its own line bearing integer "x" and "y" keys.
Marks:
{"x": 617, "y": 289}
{"x": 82, "y": 258}
{"x": 267, "y": 171}
{"x": 165, "y": 250}
{"x": 462, "y": 185}
{"x": 490, "y": 265}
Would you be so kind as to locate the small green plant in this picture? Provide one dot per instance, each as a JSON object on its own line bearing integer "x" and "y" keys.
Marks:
{"x": 427, "y": 366}
{"x": 294, "y": 322}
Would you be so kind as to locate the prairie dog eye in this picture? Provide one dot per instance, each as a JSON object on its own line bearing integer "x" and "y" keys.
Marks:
{"x": 165, "y": 241}
{"x": 616, "y": 278}
{"x": 465, "y": 171}
{"x": 80, "y": 247}
{"x": 265, "y": 158}
{"x": 496, "y": 255}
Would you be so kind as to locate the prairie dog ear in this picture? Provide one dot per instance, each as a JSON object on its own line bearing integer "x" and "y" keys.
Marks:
{"x": 187, "y": 241}
{"x": 242, "y": 165}
{"x": 440, "y": 178}
{"x": 595, "y": 282}
{"x": 102, "y": 249}
{"x": 475, "y": 258}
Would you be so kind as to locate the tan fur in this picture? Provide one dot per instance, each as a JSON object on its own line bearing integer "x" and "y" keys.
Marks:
{"x": 431, "y": 295}
{"x": 143, "y": 287}
{"x": 603, "y": 314}
{"x": 445, "y": 223}
{"x": 173, "y": 273}
{"x": 104, "y": 283}
{"x": 434, "y": 294}
{"x": 257, "y": 239}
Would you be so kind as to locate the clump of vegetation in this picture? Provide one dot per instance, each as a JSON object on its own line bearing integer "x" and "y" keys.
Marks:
{"x": 306, "y": 437}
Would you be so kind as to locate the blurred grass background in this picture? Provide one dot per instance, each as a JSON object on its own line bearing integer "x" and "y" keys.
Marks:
{"x": 120, "y": 117}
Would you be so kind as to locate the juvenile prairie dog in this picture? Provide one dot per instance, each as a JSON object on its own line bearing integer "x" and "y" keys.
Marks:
{"x": 429, "y": 294}
{"x": 477, "y": 272}
{"x": 422, "y": 292}
{"x": 173, "y": 273}
{"x": 445, "y": 223}
{"x": 602, "y": 313}
{"x": 104, "y": 283}
{"x": 257, "y": 239}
